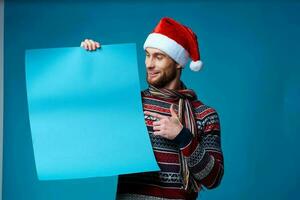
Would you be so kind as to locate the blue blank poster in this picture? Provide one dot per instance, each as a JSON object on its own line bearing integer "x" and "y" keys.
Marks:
{"x": 86, "y": 113}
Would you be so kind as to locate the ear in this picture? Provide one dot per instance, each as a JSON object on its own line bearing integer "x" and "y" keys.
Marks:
{"x": 178, "y": 66}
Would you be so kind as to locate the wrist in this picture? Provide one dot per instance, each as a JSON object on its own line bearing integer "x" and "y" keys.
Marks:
{"x": 183, "y": 138}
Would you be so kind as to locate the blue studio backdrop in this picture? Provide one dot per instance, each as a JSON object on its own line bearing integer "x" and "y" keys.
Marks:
{"x": 251, "y": 77}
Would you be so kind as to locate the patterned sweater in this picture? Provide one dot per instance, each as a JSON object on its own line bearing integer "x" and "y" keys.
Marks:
{"x": 203, "y": 153}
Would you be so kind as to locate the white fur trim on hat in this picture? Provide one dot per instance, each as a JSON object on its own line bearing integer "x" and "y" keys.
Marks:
{"x": 196, "y": 65}
{"x": 169, "y": 46}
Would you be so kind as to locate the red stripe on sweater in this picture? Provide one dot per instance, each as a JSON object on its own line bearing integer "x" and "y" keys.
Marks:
{"x": 166, "y": 157}
{"x": 217, "y": 155}
{"x": 205, "y": 113}
{"x": 190, "y": 148}
{"x": 197, "y": 104}
{"x": 209, "y": 180}
{"x": 210, "y": 127}
{"x": 159, "y": 99}
{"x": 149, "y": 122}
{"x": 156, "y": 108}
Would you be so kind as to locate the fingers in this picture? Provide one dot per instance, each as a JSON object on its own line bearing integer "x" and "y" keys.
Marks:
{"x": 90, "y": 45}
{"x": 161, "y": 133}
{"x": 173, "y": 113}
{"x": 156, "y": 115}
{"x": 157, "y": 128}
{"x": 158, "y": 133}
{"x": 157, "y": 123}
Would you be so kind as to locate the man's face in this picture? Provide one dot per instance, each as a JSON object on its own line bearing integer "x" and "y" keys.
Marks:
{"x": 161, "y": 69}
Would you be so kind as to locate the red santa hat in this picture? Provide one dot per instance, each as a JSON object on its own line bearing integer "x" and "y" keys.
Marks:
{"x": 176, "y": 40}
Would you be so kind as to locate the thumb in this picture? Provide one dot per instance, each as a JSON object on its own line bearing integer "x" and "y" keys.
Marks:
{"x": 173, "y": 113}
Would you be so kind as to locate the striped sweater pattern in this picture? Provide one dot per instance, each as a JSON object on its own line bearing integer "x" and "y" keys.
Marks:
{"x": 203, "y": 154}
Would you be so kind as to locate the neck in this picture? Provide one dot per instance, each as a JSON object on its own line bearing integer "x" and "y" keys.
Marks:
{"x": 173, "y": 85}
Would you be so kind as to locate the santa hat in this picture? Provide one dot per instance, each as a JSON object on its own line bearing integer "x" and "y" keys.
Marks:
{"x": 176, "y": 40}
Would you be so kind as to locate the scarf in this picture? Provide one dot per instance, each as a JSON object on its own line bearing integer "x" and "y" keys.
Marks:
{"x": 186, "y": 116}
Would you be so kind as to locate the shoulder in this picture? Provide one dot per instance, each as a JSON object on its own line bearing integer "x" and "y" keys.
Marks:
{"x": 206, "y": 116}
{"x": 145, "y": 93}
{"x": 203, "y": 110}
{"x": 153, "y": 103}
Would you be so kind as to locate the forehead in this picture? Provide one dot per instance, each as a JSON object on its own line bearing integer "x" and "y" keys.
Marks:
{"x": 154, "y": 51}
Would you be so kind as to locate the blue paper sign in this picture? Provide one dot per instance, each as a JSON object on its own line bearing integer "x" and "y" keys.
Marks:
{"x": 86, "y": 113}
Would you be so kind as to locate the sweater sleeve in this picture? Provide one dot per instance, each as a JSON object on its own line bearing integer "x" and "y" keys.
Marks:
{"x": 203, "y": 153}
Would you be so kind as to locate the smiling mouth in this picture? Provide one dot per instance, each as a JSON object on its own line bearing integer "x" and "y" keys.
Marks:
{"x": 153, "y": 74}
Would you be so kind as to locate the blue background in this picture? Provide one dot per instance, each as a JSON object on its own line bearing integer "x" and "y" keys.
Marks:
{"x": 251, "y": 76}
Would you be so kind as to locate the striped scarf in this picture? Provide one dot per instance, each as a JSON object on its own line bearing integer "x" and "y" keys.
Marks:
{"x": 186, "y": 117}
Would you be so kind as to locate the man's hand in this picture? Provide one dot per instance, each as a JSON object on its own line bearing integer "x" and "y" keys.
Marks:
{"x": 90, "y": 45}
{"x": 167, "y": 127}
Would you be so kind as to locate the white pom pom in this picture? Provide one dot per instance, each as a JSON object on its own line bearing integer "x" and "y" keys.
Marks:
{"x": 196, "y": 65}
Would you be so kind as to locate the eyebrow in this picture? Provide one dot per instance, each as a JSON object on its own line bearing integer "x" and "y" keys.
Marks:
{"x": 156, "y": 53}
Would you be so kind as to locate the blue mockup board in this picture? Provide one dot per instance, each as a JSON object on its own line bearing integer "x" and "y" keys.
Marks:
{"x": 85, "y": 112}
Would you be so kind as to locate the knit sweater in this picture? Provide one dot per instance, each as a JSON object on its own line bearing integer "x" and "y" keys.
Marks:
{"x": 203, "y": 154}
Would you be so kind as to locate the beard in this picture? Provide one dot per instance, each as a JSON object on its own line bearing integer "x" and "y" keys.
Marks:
{"x": 162, "y": 79}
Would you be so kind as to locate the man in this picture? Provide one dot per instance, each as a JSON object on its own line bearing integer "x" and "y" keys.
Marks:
{"x": 184, "y": 132}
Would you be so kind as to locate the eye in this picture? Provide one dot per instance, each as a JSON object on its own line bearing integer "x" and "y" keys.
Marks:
{"x": 159, "y": 57}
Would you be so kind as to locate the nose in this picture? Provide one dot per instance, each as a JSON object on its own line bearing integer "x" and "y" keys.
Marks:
{"x": 149, "y": 62}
